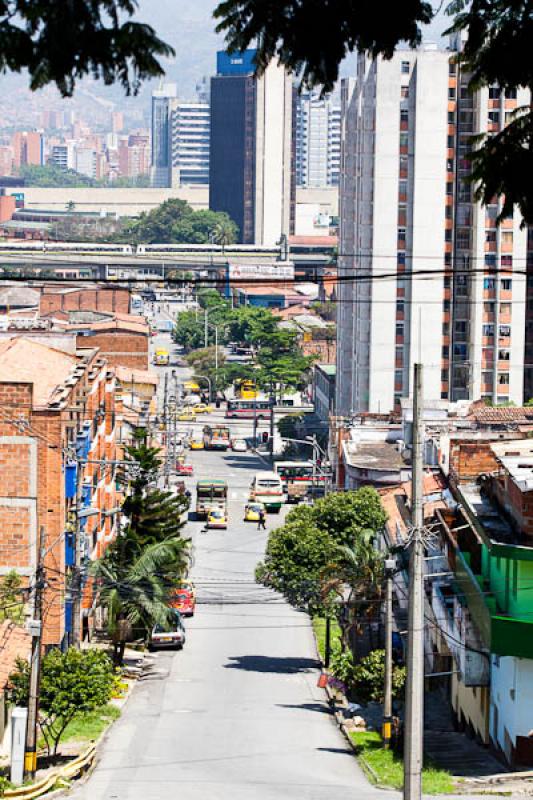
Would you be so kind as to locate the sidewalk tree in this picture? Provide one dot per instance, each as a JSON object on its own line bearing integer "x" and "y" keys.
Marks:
{"x": 73, "y": 683}
{"x": 134, "y": 587}
{"x": 293, "y": 33}
{"x": 300, "y": 553}
{"x": 11, "y": 598}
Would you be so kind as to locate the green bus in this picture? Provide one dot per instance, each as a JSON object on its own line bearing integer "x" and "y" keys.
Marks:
{"x": 210, "y": 494}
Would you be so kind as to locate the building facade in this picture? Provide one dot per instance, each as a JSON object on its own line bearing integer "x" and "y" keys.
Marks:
{"x": 318, "y": 140}
{"x": 163, "y": 100}
{"x": 57, "y": 433}
{"x": 190, "y": 143}
{"x": 405, "y": 207}
{"x": 251, "y": 172}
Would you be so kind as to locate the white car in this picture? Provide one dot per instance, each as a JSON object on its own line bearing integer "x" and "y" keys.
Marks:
{"x": 239, "y": 446}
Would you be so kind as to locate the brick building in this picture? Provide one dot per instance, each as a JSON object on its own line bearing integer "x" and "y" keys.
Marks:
{"x": 109, "y": 299}
{"x": 56, "y": 412}
{"x": 123, "y": 339}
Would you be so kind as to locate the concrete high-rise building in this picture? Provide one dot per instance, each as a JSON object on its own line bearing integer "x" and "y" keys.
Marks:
{"x": 251, "y": 173}
{"x": 63, "y": 155}
{"x": 28, "y": 148}
{"x": 318, "y": 140}
{"x": 190, "y": 143}
{"x": 417, "y": 255}
{"x": 163, "y": 101}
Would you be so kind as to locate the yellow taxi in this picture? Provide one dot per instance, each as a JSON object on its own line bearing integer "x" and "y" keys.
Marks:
{"x": 202, "y": 408}
{"x": 252, "y": 511}
{"x": 186, "y": 415}
{"x": 196, "y": 443}
{"x": 217, "y": 518}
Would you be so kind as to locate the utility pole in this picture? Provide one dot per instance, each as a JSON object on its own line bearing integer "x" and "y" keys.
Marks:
{"x": 75, "y": 581}
{"x": 167, "y": 430}
{"x": 387, "y": 705}
{"x": 414, "y": 714}
{"x": 30, "y": 758}
{"x": 206, "y": 330}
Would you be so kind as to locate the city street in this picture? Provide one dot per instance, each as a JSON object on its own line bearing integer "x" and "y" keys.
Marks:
{"x": 236, "y": 715}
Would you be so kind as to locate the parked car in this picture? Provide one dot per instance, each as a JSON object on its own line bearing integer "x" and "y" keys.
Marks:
{"x": 239, "y": 446}
{"x": 184, "y": 469}
{"x": 185, "y": 415}
{"x": 252, "y": 511}
{"x": 187, "y": 584}
{"x": 170, "y": 634}
{"x": 202, "y": 408}
{"x": 217, "y": 518}
{"x": 184, "y": 601}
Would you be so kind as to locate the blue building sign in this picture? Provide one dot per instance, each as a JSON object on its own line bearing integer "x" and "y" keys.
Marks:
{"x": 236, "y": 63}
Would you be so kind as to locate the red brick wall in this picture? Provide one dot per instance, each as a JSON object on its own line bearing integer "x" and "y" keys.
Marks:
{"x": 120, "y": 348}
{"x": 97, "y": 299}
{"x": 468, "y": 460}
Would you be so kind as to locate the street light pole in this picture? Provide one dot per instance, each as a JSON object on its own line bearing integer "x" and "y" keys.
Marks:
{"x": 387, "y": 705}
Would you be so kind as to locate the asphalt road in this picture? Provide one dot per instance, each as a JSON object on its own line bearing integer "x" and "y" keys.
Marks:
{"x": 237, "y": 714}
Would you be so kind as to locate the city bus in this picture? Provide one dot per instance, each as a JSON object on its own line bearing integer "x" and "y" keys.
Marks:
{"x": 248, "y": 409}
{"x": 211, "y": 494}
{"x": 191, "y": 387}
{"x": 267, "y": 488}
{"x": 245, "y": 389}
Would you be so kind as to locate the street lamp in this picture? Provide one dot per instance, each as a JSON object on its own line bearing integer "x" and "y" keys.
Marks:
{"x": 205, "y": 378}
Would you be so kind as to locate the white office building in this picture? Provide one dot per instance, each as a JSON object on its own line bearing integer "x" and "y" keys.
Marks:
{"x": 318, "y": 140}
{"x": 190, "y": 143}
{"x": 405, "y": 207}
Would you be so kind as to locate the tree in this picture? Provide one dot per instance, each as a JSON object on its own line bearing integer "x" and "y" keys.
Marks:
{"x": 73, "y": 683}
{"x": 134, "y": 587}
{"x": 50, "y": 175}
{"x": 98, "y": 38}
{"x": 11, "y": 598}
{"x": 367, "y": 678}
{"x": 300, "y": 553}
{"x": 225, "y": 231}
{"x": 204, "y": 362}
{"x": 294, "y": 34}
{"x": 175, "y": 221}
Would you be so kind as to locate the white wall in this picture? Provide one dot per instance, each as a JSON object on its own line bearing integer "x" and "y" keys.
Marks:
{"x": 512, "y": 695}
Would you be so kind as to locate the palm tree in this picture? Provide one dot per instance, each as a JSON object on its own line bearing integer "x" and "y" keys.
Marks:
{"x": 135, "y": 593}
{"x": 224, "y": 232}
{"x": 356, "y": 576}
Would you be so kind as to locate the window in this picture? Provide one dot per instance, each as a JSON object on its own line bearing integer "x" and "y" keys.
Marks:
{"x": 490, "y": 259}
{"x": 451, "y": 117}
{"x": 406, "y": 67}
{"x": 510, "y": 94}
{"x": 449, "y": 188}
{"x": 503, "y": 355}
{"x": 404, "y": 139}
{"x": 398, "y": 376}
{"x": 450, "y": 142}
{"x": 451, "y": 93}
{"x": 447, "y": 281}
{"x": 494, "y": 92}
{"x": 404, "y": 115}
{"x": 401, "y": 258}
{"x": 448, "y": 212}
{"x": 445, "y": 328}
{"x": 448, "y": 235}
{"x": 399, "y": 329}
{"x": 494, "y": 116}
{"x": 461, "y": 326}
{"x": 400, "y": 306}
{"x": 445, "y": 305}
{"x": 505, "y": 330}
{"x": 402, "y": 186}
{"x": 449, "y": 164}
{"x": 444, "y": 375}
{"x": 486, "y": 377}
{"x": 488, "y": 283}
{"x": 505, "y": 308}
{"x": 507, "y": 261}
{"x": 488, "y": 330}
{"x": 490, "y": 236}
{"x": 447, "y": 259}
{"x": 507, "y": 284}
{"x": 445, "y": 351}
{"x": 507, "y": 237}
{"x": 452, "y": 68}
{"x": 503, "y": 378}
{"x": 489, "y": 307}
{"x": 401, "y": 234}
{"x": 404, "y": 91}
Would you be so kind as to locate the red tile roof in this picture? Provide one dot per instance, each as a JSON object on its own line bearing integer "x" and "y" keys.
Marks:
{"x": 502, "y": 414}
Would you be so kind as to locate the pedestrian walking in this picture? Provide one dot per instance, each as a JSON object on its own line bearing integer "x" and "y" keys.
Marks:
{"x": 261, "y": 522}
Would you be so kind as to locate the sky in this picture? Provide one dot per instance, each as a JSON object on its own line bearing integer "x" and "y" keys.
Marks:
{"x": 189, "y": 28}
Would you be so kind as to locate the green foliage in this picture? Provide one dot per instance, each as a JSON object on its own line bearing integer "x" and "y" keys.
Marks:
{"x": 319, "y": 627}
{"x": 288, "y": 426}
{"x": 73, "y": 683}
{"x": 91, "y": 725}
{"x": 50, "y": 175}
{"x": 300, "y": 553}
{"x": 98, "y": 38}
{"x": 174, "y": 221}
{"x": 294, "y": 33}
{"x": 5, "y": 784}
{"x": 369, "y": 678}
{"x": 11, "y": 602}
{"x": 203, "y": 361}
